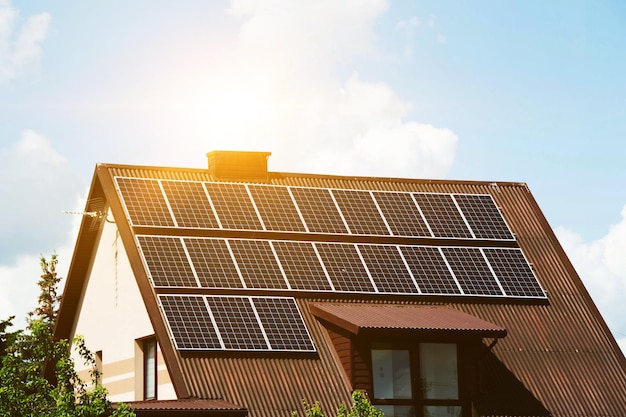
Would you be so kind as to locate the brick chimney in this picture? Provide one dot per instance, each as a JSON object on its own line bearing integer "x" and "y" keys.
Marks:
{"x": 236, "y": 165}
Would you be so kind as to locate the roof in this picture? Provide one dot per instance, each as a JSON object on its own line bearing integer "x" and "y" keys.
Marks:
{"x": 196, "y": 407}
{"x": 558, "y": 348}
{"x": 358, "y": 318}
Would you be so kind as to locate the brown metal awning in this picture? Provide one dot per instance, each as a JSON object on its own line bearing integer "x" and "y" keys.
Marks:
{"x": 357, "y": 318}
{"x": 189, "y": 407}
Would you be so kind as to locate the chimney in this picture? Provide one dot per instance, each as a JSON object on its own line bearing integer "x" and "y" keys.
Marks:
{"x": 236, "y": 165}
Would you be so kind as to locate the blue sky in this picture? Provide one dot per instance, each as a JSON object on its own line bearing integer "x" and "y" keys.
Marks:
{"x": 522, "y": 91}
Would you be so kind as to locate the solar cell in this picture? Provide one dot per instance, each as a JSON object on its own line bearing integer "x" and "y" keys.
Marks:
{"x": 442, "y": 215}
{"x": 257, "y": 264}
{"x": 167, "y": 262}
{"x": 318, "y": 210}
{"x": 189, "y": 204}
{"x": 213, "y": 263}
{"x": 430, "y": 270}
{"x": 189, "y": 322}
{"x": 144, "y": 202}
{"x": 387, "y": 269}
{"x": 233, "y": 206}
{"x": 301, "y": 265}
{"x": 276, "y": 208}
{"x": 237, "y": 324}
{"x": 483, "y": 216}
{"x": 360, "y": 212}
{"x": 283, "y": 324}
{"x": 344, "y": 267}
{"x": 401, "y": 213}
{"x": 513, "y": 272}
{"x": 471, "y": 271}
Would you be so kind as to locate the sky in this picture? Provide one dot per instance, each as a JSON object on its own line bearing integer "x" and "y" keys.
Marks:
{"x": 524, "y": 91}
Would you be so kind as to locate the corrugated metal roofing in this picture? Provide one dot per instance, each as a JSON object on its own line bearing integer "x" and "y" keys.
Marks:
{"x": 184, "y": 405}
{"x": 561, "y": 351}
{"x": 357, "y": 317}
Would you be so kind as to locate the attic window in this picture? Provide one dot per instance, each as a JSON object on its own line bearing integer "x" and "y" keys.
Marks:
{"x": 232, "y": 165}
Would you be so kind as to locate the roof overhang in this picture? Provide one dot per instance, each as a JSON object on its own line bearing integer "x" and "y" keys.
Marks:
{"x": 360, "y": 318}
{"x": 197, "y": 408}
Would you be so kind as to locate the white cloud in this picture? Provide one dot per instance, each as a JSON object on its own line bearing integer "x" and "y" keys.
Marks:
{"x": 20, "y": 41}
{"x": 602, "y": 267}
{"x": 295, "y": 36}
{"x": 409, "y": 27}
{"x": 36, "y": 184}
{"x": 284, "y": 95}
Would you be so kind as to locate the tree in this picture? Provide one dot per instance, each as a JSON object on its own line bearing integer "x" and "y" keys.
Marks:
{"x": 361, "y": 407}
{"x": 37, "y": 373}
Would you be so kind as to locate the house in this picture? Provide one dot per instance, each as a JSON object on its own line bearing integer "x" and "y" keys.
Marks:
{"x": 236, "y": 291}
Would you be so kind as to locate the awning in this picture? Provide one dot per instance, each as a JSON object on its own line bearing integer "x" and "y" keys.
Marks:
{"x": 357, "y": 318}
{"x": 186, "y": 407}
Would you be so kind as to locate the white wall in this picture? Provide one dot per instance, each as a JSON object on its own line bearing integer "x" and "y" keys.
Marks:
{"x": 112, "y": 317}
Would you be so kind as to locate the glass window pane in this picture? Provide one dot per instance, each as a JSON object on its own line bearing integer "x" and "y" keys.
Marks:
{"x": 150, "y": 369}
{"x": 438, "y": 364}
{"x": 442, "y": 411}
{"x": 391, "y": 370}
{"x": 397, "y": 410}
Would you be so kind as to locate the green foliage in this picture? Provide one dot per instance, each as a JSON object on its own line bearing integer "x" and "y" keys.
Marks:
{"x": 37, "y": 373}
{"x": 360, "y": 407}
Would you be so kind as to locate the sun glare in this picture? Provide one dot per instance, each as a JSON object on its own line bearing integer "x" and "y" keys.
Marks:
{"x": 231, "y": 115}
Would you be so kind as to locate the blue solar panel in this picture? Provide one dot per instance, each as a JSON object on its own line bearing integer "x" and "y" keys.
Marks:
{"x": 443, "y": 216}
{"x": 144, "y": 202}
{"x": 360, "y": 212}
{"x": 483, "y": 217}
{"x": 190, "y": 204}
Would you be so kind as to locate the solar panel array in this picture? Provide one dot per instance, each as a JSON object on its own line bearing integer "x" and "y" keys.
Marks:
{"x": 235, "y": 323}
{"x": 255, "y": 207}
{"x": 184, "y": 267}
{"x": 337, "y": 267}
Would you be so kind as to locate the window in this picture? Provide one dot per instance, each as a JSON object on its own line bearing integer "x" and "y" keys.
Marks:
{"x": 419, "y": 380}
{"x": 98, "y": 366}
{"x": 150, "y": 369}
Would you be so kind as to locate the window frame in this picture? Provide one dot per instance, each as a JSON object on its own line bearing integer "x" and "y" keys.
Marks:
{"x": 418, "y": 402}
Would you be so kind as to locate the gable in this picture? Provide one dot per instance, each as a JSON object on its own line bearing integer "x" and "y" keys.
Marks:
{"x": 112, "y": 318}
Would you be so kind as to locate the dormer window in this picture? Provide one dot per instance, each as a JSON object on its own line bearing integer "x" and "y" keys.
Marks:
{"x": 414, "y": 361}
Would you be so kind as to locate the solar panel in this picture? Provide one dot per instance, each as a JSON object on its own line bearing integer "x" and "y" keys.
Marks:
{"x": 387, "y": 269}
{"x": 401, "y": 213}
{"x": 483, "y": 216}
{"x": 430, "y": 270}
{"x": 257, "y": 264}
{"x": 213, "y": 263}
{"x": 318, "y": 210}
{"x": 283, "y": 324}
{"x": 233, "y": 206}
{"x": 360, "y": 212}
{"x": 513, "y": 272}
{"x": 144, "y": 202}
{"x": 442, "y": 215}
{"x": 344, "y": 267}
{"x": 167, "y": 262}
{"x": 276, "y": 208}
{"x": 237, "y": 324}
{"x": 471, "y": 271}
{"x": 190, "y": 204}
{"x": 189, "y": 322}
{"x": 301, "y": 265}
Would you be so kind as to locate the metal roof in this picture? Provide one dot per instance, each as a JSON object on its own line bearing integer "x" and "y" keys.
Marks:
{"x": 358, "y": 317}
{"x": 560, "y": 351}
